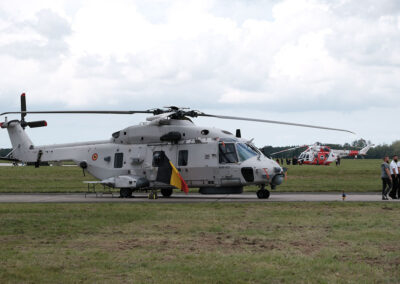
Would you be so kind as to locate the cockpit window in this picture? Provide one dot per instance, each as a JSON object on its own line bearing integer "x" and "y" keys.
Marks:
{"x": 245, "y": 151}
{"x": 227, "y": 153}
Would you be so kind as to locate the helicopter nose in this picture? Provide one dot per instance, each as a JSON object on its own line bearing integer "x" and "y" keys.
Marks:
{"x": 272, "y": 172}
{"x": 268, "y": 173}
{"x": 278, "y": 179}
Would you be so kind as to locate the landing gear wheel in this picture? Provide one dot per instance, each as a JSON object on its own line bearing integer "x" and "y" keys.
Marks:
{"x": 166, "y": 192}
{"x": 125, "y": 192}
{"x": 263, "y": 194}
{"x": 153, "y": 195}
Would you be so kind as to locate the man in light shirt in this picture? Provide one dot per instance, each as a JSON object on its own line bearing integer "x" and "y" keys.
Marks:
{"x": 394, "y": 171}
{"x": 386, "y": 178}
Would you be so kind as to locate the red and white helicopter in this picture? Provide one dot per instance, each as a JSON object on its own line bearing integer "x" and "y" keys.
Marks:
{"x": 319, "y": 154}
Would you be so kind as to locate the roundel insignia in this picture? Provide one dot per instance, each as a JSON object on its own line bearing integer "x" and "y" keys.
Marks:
{"x": 95, "y": 156}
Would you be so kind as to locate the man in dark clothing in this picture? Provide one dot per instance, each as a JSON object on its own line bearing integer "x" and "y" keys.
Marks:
{"x": 394, "y": 171}
{"x": 386, "y": 178}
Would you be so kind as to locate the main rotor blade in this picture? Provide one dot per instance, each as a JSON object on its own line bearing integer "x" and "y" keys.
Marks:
{"x": 274, "y": 121}
{"x": 287, "y": 150}
{"x": 80, "y": 112}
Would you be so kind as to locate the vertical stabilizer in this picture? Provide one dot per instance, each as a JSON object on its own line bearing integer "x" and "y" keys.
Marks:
{"x": 18, "y": 137}
{"x": 20, "y": 141}
{"x": 364, "y": 150}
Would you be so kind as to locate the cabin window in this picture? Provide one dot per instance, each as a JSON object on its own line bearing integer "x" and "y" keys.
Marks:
{"x": 118, "y": 160}
{"x": 227, "y": 153}
{"x": 183, "y": 158}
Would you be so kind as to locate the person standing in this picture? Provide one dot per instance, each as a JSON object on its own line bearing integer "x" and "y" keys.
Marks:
{"x": 398, "y": 179}
{"x": 386, "y": 178}
{"x": 394, "y": 172}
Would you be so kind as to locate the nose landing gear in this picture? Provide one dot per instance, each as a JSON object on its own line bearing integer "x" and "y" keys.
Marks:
{"x": 263, "y": 193}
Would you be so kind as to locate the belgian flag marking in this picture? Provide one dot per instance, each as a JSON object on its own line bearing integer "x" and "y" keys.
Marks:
{"x": 167, "y": 173}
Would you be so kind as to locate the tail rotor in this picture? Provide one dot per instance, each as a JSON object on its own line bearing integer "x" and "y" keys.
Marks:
{"x": 23, "y": 110}
{"x": 31, "y": 124}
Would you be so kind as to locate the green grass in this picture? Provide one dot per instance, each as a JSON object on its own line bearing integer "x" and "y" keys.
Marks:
{"x": 42, "y": 179}
{"x": 200, "y": 243}
{"x": 351, "y": 176}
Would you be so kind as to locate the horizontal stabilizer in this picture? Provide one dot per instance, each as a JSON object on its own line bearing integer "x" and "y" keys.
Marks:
{"x": 39, "y": 123}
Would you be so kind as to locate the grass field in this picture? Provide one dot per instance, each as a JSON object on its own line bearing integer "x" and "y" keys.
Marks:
{"x": 200, "y": 243}
{"x": 42, "y": 179}
{"x": 351, "y": 176}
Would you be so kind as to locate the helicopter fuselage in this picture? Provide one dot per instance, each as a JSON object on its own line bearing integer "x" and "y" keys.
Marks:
{"x": 144, "y": 156}
{"x": 324, "y": 155}
{"x": 205, "y": 157}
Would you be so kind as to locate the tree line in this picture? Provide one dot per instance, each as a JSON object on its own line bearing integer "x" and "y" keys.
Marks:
{"x": 4, "y": 152}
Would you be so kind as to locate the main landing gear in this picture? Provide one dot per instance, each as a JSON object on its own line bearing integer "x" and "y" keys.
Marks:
{"x": 263, "y": 193}
{"x": 166, "y": 192}
{"x": 125, "y": 192}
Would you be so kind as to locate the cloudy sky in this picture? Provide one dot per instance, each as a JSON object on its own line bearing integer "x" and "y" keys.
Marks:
{"x": 332, "y": 63}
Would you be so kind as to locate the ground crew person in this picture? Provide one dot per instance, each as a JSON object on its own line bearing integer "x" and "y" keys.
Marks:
{"x": 398, "y": 180}
{"x": 394, "y": 172}
{"x": 386, "y": 178}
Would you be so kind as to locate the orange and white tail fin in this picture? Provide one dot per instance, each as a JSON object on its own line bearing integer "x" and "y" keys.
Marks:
{"x": 364, "y": 150}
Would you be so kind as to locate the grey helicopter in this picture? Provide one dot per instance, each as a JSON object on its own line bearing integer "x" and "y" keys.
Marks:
{"x": 166, "y": 151}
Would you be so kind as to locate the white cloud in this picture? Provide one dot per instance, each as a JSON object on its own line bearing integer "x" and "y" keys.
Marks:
{"x": 292, "y": 55}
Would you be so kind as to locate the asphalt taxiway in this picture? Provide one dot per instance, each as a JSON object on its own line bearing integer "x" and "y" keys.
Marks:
{"x": 189, "y": 198}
